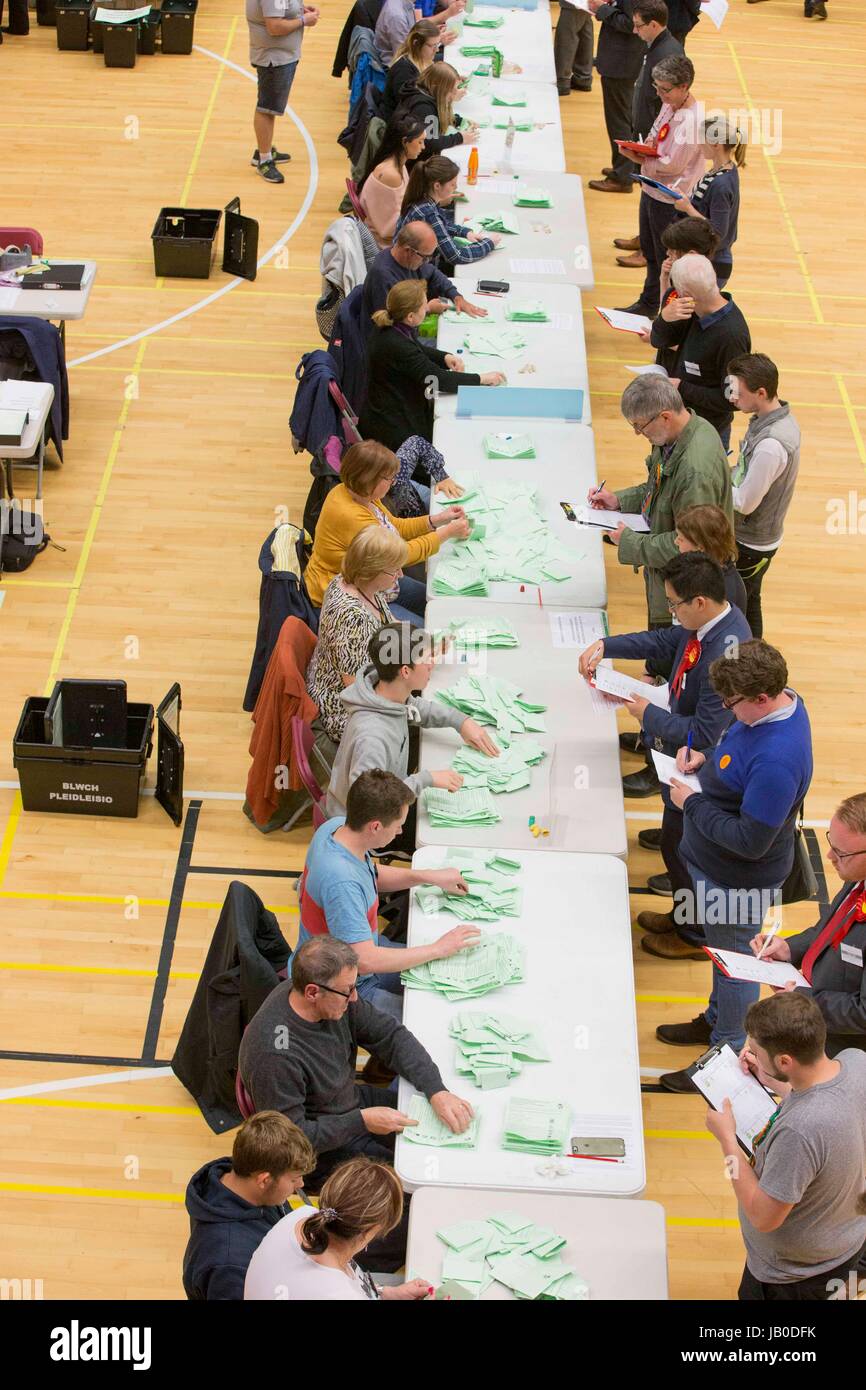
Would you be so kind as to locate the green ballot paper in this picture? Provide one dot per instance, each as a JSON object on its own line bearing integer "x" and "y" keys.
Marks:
{"x": 511, "y": 1250}
{"x": 512, "y": 97}
{"x": 461, "y": 575}
{"x": 433, "y": 1132}
{"x": 494, "y": 341}
{"x": 475, "y": 21}
{"x": 509, "y": 446}
{"x": 494, "y": 221}
{"x": 469, "y": 633}
{"x": 466, "y": 807}
{"x": 532, "y": 198}
{"x": 536, "y": 1126}
{"x": 528, "y": 311}
{"x": 498, "y": 960}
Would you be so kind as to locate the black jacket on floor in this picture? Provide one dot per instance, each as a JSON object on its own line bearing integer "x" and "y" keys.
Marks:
{"x": 403, "y": 374}
{"x": 224, "y": 1234}
{"x": 241, "y": 970}
{"x": 619, "y": 51}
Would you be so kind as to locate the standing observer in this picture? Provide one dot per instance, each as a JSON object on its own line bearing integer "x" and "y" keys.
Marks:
{"x": 276, "y": 33}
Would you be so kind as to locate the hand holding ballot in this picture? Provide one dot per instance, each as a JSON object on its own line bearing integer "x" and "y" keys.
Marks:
{"x": 589, "y": 659}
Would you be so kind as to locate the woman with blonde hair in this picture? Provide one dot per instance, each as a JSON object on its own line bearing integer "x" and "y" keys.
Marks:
{"x": 366, "y": 474}
{"x": 354, "y": 607}
{"x": 317, "y": 1256}
{"x": 707, "y": 528}
{"x": 431, "y": 101}
{"x": 415, "y": 55}
{"x": 405, "y": 373}
{"x": 715, "y": 197}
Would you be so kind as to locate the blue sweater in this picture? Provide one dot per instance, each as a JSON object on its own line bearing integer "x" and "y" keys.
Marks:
{"x": 740, "y": 830}
{"x": 697, "y": 708}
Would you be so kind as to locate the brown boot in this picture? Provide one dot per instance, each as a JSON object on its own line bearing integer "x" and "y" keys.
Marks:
{"x": 627, "y": 243}
{"x": 636, "y": 261}
{"x": 656, "y": 922}
{"x": 608, "y": 185}
{"x": 671, "y": 947}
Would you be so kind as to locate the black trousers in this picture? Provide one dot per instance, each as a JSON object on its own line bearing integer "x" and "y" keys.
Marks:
{"x": 388, "y": 1254}
{"x": 752, "y": 565}
{"x": 573, "y": 42}
{"x": 681, "y": 883}
{"x": 654, "y": 217}
{"x": 19, "y": 18}
{"x": 616, "y": 95}
{"x": 812, "y": 1290}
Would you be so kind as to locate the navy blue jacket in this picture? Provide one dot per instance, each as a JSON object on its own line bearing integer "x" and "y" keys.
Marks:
{"x": 45, "y": 346}
{"x": 315, "y": 416}
{"x": 838, "y": 985}
{"x": 224, "y": 1234}
{"x": 719, "y": 203}
{"x": 348, "y": 347}
{"x": 697, "y": 709}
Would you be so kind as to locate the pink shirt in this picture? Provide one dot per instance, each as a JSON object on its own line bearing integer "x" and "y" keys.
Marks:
{"x": 680, "y": 161}
{"x": 382, "y": 206}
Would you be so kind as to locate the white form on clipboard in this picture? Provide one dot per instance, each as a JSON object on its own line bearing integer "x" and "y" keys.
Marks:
{"x": 719, "y": 1076}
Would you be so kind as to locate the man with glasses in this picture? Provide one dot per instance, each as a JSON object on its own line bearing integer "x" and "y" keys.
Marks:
{"x": 298, "y": 1056}
{"x": 409, "y": 259}
{"x": 339, "y": 889}
{"x": 687, "y": 467}
{"x": 830, "y": 954}
{"x": 738, "y": 831}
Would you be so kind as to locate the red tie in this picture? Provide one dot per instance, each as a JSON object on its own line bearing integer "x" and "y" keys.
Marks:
{"x": 689, "y": 659}
{"x": 852, "y": 909}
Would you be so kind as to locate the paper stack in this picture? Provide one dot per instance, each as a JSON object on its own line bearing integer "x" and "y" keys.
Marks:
{"x": 494, "y": 341}
{"x": 529, "y": 311}
{"x": 492, "y": 700}
{"x": 532, "y": 198}
{"x": 491, "y": 1048}
{"x": 496, "y": 961}
{"x": 536, "y": 1126}
{"x": 492, "y": 893}
{"x": 494, "y": 222}
{"x": 469, "y": 807}
{"x": 461, "y": 575}
{"x": 511, "y": 1250}
{"x": 510, "y": 772}
{"x": 508, "y": 446}
{"x": 480, "y": 632}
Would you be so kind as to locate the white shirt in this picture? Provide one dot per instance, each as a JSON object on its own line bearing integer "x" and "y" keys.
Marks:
{"x": 749, "y": 488}
{"x": 280, "y": 1270}
{"x": 702, "y": 631}
{"x": 779, "y": 714}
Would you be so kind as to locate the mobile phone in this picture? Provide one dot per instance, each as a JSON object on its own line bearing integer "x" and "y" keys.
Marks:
{"x": 493, "y": 287}
{"x": 569, "y": 511}
{"x": 598, "y": 1148}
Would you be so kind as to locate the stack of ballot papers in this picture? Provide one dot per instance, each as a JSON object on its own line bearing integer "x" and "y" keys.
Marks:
{"x": 511, "y": 97}
{"x": 494, "y": 341}
{"x": 492, "y": 1047}
{"x": 494, "y": 222}
{"x": 467, "y": 807}
{"x": 433, "y": 1132}
{"x": 532, "y": 198}
{"x": 479, "y": 632}
{"x": 497, "y": 960}
{"x": 511, "y": 1250}
{"x": 527, "y": 311}
{"x": 492, "y": 700}
{"x": 492, "y": 890}
{"x": 516, "y": 544}
{"x": 478, "y": 21}
{"x": 483, "y": 50}
{"x": 522, "y": 123}
{"x": 461, "y": 575}
{"x": 510, "y": 772}
{"x": 536, "y": 1126}
{"x": 508, "y": 446}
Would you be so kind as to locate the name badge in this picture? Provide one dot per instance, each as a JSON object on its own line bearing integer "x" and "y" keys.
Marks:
{"x": 693, "y": 368}
{"x": 852, "y": 954}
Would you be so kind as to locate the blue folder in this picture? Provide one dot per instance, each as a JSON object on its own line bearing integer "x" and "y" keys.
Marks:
{"x": 536, "y": 402}
{"x": 654, "y": 183}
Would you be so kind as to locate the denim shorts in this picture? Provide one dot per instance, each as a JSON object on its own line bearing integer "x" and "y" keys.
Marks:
{"x": 275, "y": 83}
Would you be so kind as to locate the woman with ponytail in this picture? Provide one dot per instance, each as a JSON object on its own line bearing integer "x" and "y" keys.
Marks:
{"x": 405, "y": 373}
{"x": 310, "y": 1256}
{"x": 414, "y": 56}
{"x": 381, "y": 192}
{"x": 715, "y": 197}
{"x": 431, "y": 100}
{"x": 432, "y": 185}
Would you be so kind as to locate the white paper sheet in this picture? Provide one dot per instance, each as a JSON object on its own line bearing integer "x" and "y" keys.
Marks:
{"x": 667, "y": 768}
{"x": 721, "y": 1079}
{"x": 714, "y": 10}
{"x": 531, "y": 266}
{"x": 742, "y": 966}
{"x": 608, "y": 521}
{"x": 651, "y": 369}
{"x": 630, "y": 323}
{"x": 614, "y": 682}
{"x": 575, "y": 629}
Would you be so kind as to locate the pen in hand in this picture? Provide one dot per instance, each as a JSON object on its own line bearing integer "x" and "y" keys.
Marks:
{"x": 768, "y": 936}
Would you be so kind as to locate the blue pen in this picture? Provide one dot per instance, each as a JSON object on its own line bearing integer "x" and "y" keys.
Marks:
{"x": 689, "y": 746}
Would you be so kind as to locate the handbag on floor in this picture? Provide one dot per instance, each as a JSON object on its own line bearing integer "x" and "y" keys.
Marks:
{"x": 801, "y": 885}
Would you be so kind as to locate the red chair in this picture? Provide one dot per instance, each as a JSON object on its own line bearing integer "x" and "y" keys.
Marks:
{"x": 303, "y": 742}
{"x": 21, "y": 237}
{"x": 243, "y": 1097}
{"x": 352, "y": 190}
{"x": 347, "y": 414}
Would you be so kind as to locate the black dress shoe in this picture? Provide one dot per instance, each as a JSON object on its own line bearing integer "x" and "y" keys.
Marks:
{"x": 680, "y": 1082}
{"x": 643, "y": 783}
{"x": 661, "y": 884}
{"x": 649, "y": 839}
{"x": 581, "y": 86}
{"x": 694, "y": 1034}
{"x": 630, "y": 743}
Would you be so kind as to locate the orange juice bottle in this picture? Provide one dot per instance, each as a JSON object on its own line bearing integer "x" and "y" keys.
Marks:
{"x": 472, "y": 174}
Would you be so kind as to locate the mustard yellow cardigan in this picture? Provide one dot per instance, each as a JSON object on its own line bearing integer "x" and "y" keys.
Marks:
{"x": 340, "y": 521}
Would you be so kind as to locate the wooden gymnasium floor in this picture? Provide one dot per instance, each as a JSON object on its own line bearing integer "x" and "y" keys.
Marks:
{"x": 179, "y": 457}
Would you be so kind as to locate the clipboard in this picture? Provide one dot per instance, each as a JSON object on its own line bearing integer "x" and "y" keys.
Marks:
{"x": 637, "y": 147}
{"x": 718, "y": 1074}
{"x": 654, "y": 183}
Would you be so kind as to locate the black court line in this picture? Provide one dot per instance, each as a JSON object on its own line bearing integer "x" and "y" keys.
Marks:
{"x": 243, "y": 873}
{"x": 76, "y": 1059}
{"x": 169, "y": 935}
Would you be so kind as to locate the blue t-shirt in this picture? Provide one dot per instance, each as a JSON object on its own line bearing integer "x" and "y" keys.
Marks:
{"x": 337, "y": 892}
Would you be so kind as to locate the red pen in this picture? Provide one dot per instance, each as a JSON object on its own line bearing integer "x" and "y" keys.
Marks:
{"x": 540, "y": 604}
{"x": 594, "y": 1158}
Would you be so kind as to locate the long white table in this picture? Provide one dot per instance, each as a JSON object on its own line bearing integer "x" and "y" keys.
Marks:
{"x": 619, "y": 1248}
{"x": 552, "y": 244}
{"x": 525, "y": 40}
{"x": 37, "y": 398}
{"x": 563, "y": 471}
{"x": 576, "y": 791}
{"x": 578, "y": 992}
{"x": 54, "y": 305}
{"x": 555, "y": 352}
{"x": 542, "y": 104}
{"x": 536, "y": 151}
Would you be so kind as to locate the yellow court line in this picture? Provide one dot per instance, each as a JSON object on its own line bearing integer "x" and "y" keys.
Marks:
{"x": 671, "y": 999}
{"x": 9, "y": 834}
{"x": 199, "y": 144}
{"x": 37, "y": 584}
{"x": 112, "y": 899}
{"x": 193, "y": 371}
{"x": 849, "y": 409}
{"x": 786, "y": 216}
{"x": 728, "y": 1223}
{"x": 189, "y": 289}
{"x": 677, "y": 1134}
{"x": 51, "y": 1103}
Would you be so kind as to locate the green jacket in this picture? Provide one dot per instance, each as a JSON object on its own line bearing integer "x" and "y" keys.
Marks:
{"x": 696, "y": 471}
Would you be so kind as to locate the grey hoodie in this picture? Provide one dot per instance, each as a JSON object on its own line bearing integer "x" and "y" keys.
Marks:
{"x": 377, "y": 736}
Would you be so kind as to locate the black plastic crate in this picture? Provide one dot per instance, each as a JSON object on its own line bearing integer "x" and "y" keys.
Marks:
{"x": 79, "y": 781}
{"x": 46, "y": 13}
{"x": 178, "y": 23}
{"x": 72, "y": 20}
{"x": 120, "y": 45}
{"x": 184, "y": 242}
{"x": 148, "y": 28}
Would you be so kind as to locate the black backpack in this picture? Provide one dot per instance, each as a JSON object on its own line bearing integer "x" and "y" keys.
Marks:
{"x": 22, "y": 537}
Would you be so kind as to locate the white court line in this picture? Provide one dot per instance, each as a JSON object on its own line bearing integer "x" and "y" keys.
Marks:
{"x": 263, "y": 260}
{"x": 72, "y": 1083}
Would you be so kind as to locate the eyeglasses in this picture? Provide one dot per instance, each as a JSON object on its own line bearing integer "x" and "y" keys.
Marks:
{"x": 674, "y": 604}
{"x": 848, "y": 854}
{"x": 342, "y": 993}
{"x": 732, "y": 704}
{"x": 639, "y": 429}
{"x": 663, "y": 91}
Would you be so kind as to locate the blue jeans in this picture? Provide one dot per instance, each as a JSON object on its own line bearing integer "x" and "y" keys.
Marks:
{"x": 384, "y": 989}
{"x": 729, "y": 918}
{"x": 411, "y": 601}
